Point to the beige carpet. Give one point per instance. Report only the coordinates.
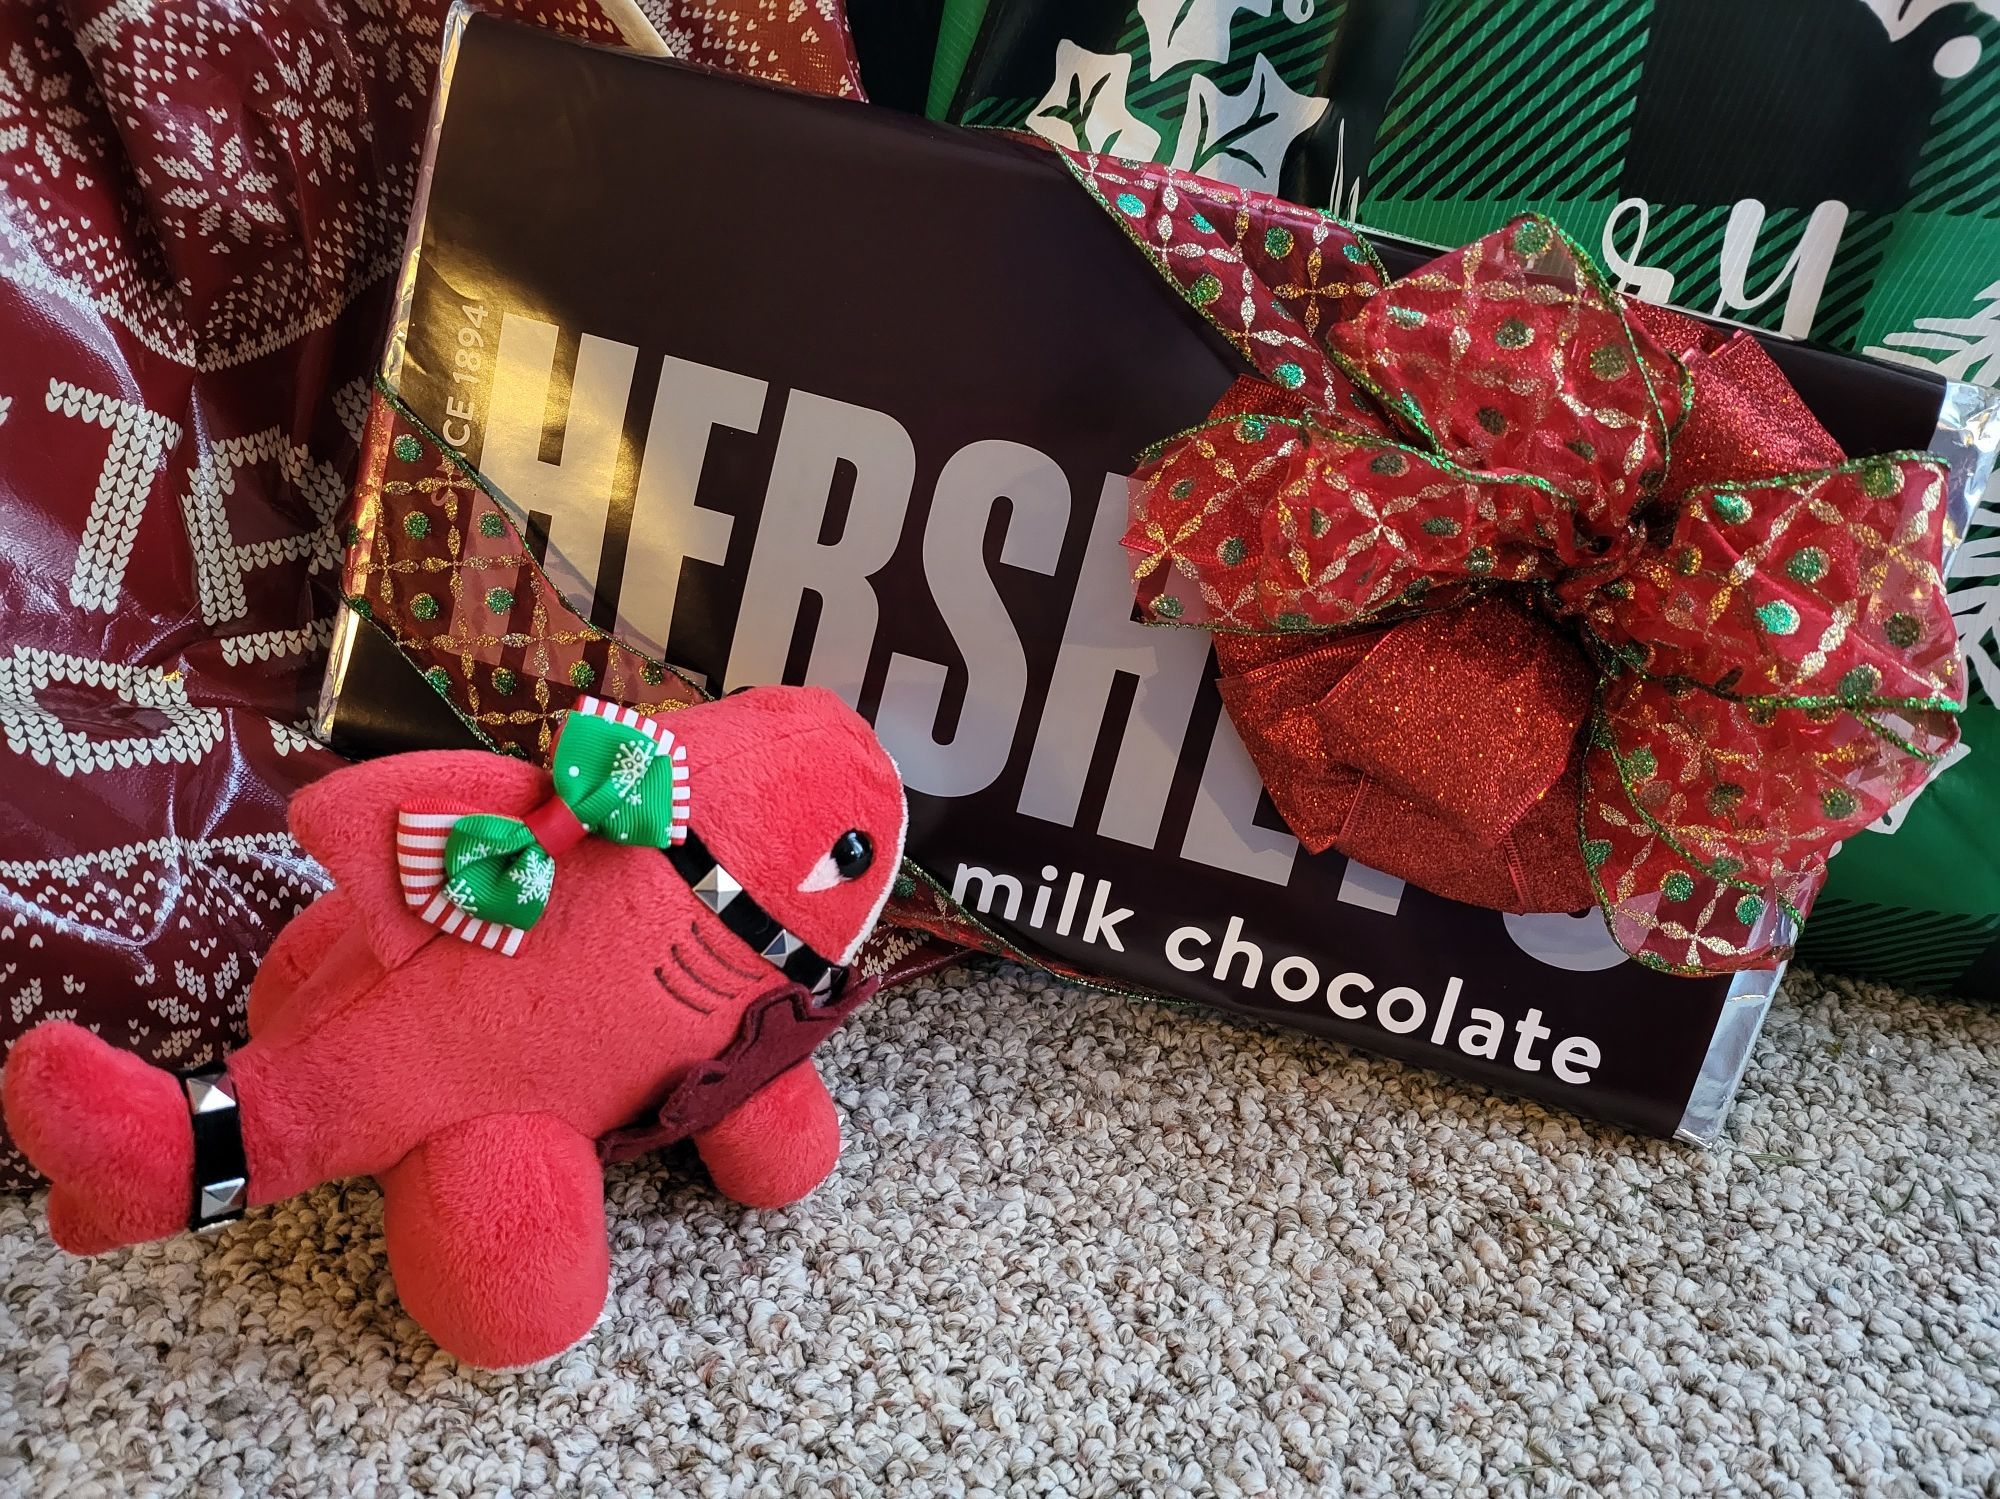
(1080, 1247)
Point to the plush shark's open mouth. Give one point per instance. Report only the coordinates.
(779, 1030)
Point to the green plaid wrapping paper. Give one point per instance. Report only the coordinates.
(1821, 167)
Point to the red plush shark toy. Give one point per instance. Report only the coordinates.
(505, 989)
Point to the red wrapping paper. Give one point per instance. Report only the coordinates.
(804, 43)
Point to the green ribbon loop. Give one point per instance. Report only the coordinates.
(495, 870)
(621, 783)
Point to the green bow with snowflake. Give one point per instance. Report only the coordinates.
(487, 877)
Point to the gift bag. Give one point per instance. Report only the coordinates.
(1819, 170)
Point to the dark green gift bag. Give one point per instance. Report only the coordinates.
(1820, 169)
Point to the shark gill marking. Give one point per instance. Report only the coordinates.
(721, 959)
(666, 982)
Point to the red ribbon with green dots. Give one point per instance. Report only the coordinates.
(1531, 596)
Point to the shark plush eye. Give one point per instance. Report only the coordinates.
(853, 851)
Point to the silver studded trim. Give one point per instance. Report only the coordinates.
(717, 889)
(221, 1185)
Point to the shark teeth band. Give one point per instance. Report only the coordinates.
(724, 894)
(221, 1172)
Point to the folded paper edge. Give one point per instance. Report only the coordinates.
(1967, 438)
(1737, 1026)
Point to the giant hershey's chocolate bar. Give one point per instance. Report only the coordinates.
(793, 389)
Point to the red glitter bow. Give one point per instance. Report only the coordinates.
(1530, 597)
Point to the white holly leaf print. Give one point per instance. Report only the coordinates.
(1977, 608)
(534, 875)
(1085, 108)
(1179, 31)
(1959, 348)
(628, 769)
(1901, 17)
(1242, 138)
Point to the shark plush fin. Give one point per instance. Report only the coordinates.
(348, 822)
